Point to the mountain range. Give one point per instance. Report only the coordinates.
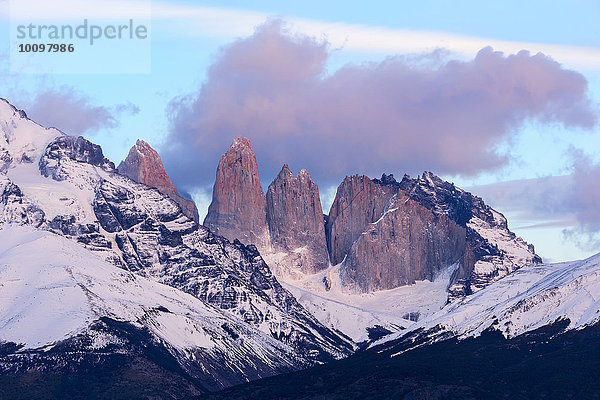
(110, 287)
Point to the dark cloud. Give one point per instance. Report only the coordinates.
(396, 115)
(73, 113)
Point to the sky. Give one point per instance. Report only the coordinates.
(502, 98)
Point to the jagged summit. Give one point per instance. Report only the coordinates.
(238, 207)
(241, 143)
(395, 233)
(305, 173)
(285, 172)
(285, 224)
(144, 165)
(295, 221)
(22, 141)
(442, 197)
(387, 180)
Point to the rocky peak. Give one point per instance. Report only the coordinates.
(241, 144)
(386, 238)
(73, 148)
(359, 201)
(144, 165)
(295, 220)
(139, 229)
(285, 174)
(303, 174)
(22, 141)
(387, 180)
(393, 234)
(440, 196)
(238, 207)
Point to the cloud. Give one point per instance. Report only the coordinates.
(583, 200)
(73, 113)
(569, 202)
(395, 115)
(185, 20)
(538, 201)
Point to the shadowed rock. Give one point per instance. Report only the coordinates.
(296, 226)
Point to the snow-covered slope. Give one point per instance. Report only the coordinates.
(51, 290)
(65, 185)
(527, 299)
(21, 140)
(364, 316)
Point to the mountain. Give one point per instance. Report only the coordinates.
(143, 165)
(109, 290)
(65, 185)
(239, 207)
(65, 314)
(532, 334)
(530, 298)
(286, 224)
(381, 239)
(406, 249)
(386, 233)
(386, 239)
(391, 233)
(492, 250)
(296, 227)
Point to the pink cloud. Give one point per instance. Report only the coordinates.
(396, 115)
(73, 112)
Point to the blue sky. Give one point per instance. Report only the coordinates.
(186, 38)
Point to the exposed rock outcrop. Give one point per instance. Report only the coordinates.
(386, 233)
(359, 202)
(296, 226)
(143, 165)
(492, 250)
(238, 209)
(286, 224)
(394, 233)
(407, 243)
(74, 148)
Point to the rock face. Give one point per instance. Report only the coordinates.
(296, 226)
(492, 250)
(143, 165)
(386, 239)
(286, 224)
(407, 243)
(238, 209)
(386, 233)
(359, 202)
(394, 233)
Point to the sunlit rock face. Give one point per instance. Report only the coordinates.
(238, 209)
(143, 165)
